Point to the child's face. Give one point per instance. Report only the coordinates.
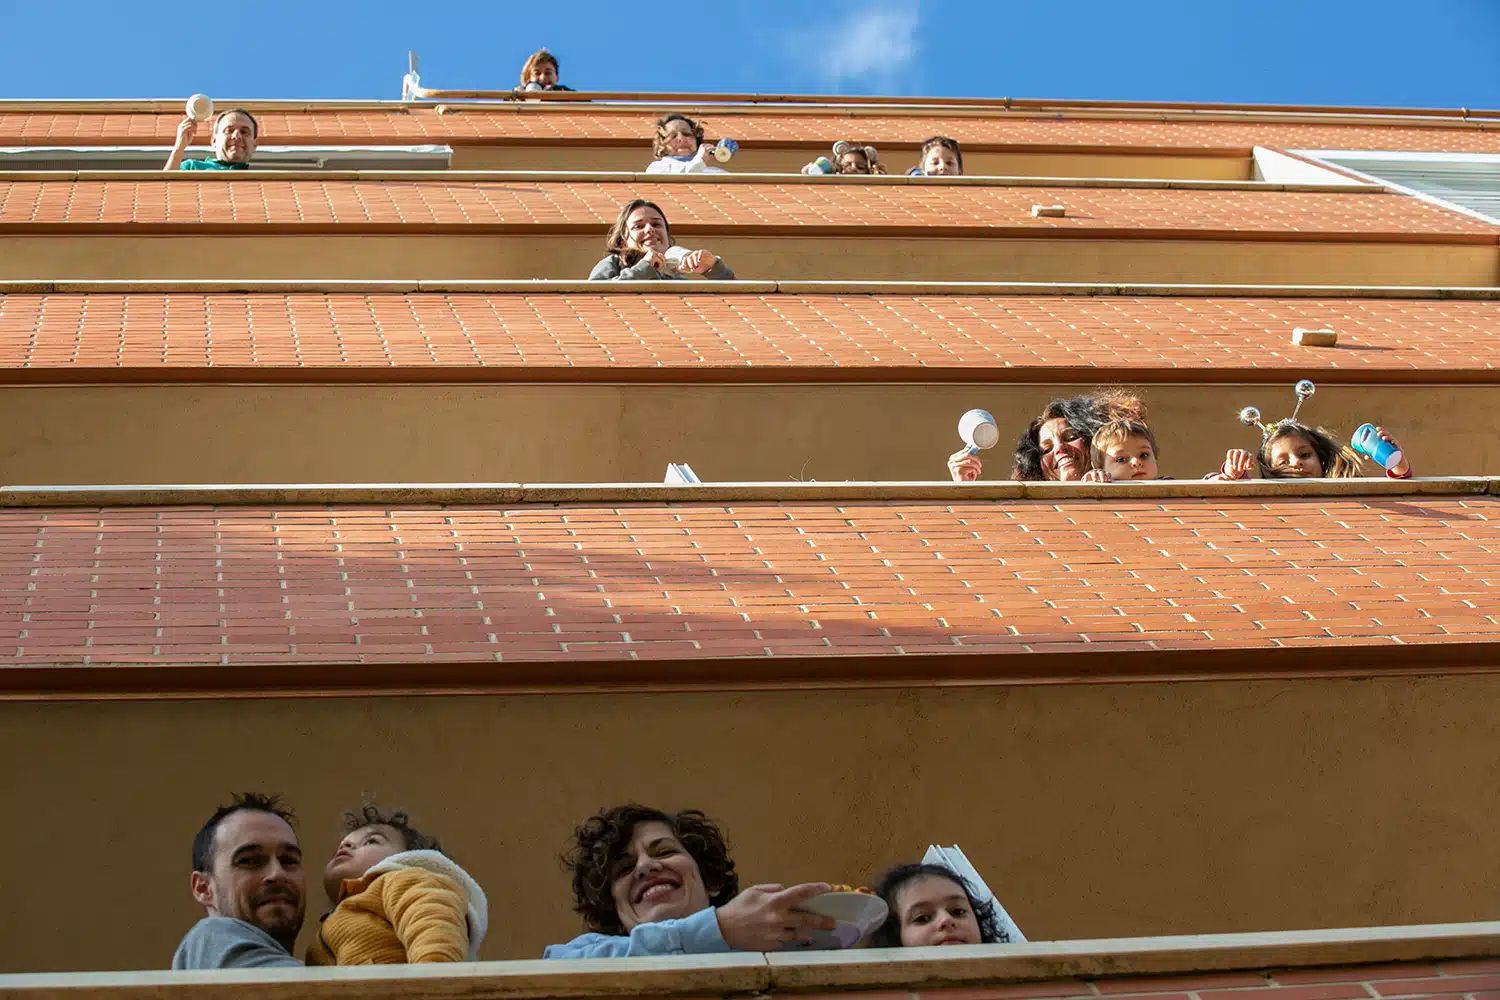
(1292, 455)
(679, 139)
(358, 852)
(933, 910)
(940, 161)
(854, 162)
(1133, 458)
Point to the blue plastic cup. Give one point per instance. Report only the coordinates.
(1372, 446)
(823, 164)
(724, 149)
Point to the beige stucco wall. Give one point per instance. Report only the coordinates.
(862, 258)
(787, 161)
(603, 433)
(1092, 810)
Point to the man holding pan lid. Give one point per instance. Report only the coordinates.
(235, 133)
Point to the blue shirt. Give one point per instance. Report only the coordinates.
(695, 935)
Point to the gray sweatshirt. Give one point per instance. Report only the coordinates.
(612, 269)
(226, 943)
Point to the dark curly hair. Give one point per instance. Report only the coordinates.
(203, 840)
(888, 935)
(371, 815)
(1085, 414)
(602, 840)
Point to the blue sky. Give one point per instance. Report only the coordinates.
(1302, 51)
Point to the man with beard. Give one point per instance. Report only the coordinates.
(235, 135)
(247, 873)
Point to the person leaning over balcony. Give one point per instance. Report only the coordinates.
(940, 157)
(541, 72)
(641, 249)
(247, 875)
(679, 148)
(933, 905)
(849, 159)
(653, 883)
(235, 135)
(1058, 444)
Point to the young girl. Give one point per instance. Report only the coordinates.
(933, 905)
(850, 159)
(940, 157)
(640, 248)
(1292, 450)
(679, 148)
(541, 72)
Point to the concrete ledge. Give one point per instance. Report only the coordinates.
(512, 494)
(641, 177)
(927, 967)
(719, 975)
(549, 286)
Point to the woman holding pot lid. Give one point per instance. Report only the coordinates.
(640, 248)
(648, 882)
(1057, 444)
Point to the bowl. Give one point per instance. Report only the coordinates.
(858, 915)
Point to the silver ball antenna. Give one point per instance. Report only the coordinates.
(1304, 388)
(1250, 416)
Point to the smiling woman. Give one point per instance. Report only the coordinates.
(653, 883)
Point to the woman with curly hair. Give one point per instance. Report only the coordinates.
(1058, 444)
(647, 882)
(933, 905)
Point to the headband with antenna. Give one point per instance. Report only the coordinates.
(1250, 416)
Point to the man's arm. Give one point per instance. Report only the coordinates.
(185, 130)
(224, 943)
(695, 935)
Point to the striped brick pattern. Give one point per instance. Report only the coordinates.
(1477, 979)
(423, 124)
(658, 581)
(314, 329)
(438, 201)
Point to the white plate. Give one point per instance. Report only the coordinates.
(858, 914)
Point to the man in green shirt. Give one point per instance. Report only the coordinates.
(235, 134)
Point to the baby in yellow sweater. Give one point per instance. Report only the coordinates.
(397, 898)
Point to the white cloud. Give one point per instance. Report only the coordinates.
(873, 44)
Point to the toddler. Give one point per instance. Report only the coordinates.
(933, 905)
(679, 148)
(397, 898)
(1123, 450)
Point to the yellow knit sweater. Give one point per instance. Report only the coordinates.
(390, 918)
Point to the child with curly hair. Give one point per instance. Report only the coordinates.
(397, 898)
(679, 148)
(934, 905)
